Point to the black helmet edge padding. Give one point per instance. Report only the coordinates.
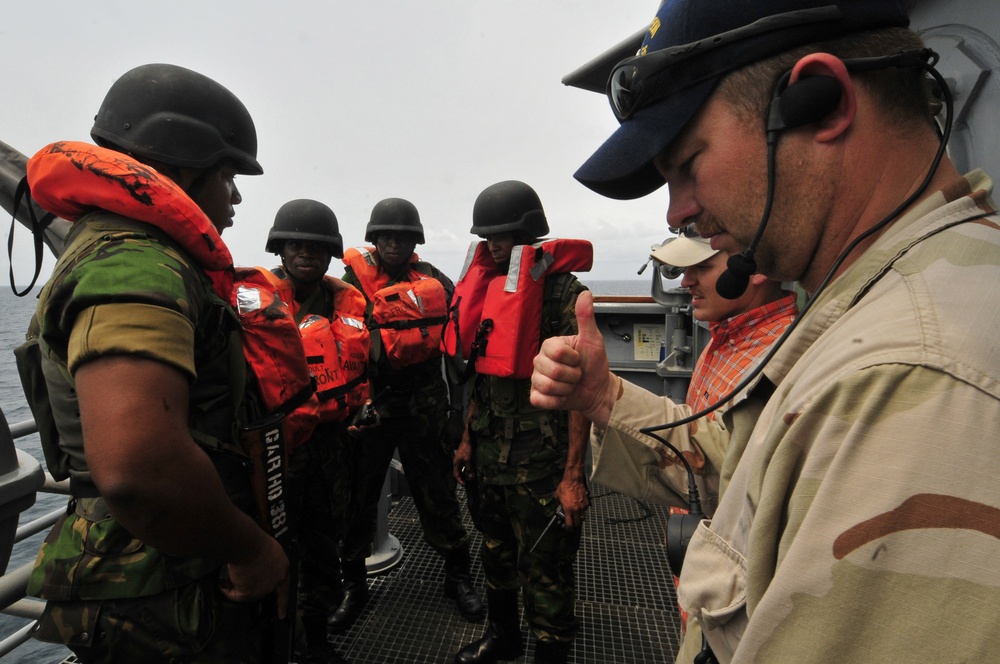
(179, 117)
(507, 207)
(394, 214)
(308, 220)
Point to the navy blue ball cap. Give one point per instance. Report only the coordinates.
(696, 43)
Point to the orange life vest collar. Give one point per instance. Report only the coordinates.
(496, 318)
(408, 315)
(370, 272)
(71, 178)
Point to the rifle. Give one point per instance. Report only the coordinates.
(472, 501)
(265, 443)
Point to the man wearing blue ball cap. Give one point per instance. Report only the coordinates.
(807, 140)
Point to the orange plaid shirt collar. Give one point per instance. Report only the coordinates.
(737, 343)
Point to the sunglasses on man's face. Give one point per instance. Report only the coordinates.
(686, 231)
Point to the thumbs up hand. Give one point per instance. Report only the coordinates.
(571, 373)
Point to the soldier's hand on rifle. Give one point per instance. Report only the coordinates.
(265, 570)
(462, 462)
(572, 495)
(366, 419)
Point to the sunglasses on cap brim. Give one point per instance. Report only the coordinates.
(638, 81)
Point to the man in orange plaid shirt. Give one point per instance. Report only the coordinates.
(742, 330)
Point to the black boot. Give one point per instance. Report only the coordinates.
(502, 640)
(318, 649)
(552, 652)
(355, 596)
(458, 585)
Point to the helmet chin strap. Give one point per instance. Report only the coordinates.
(197, 185)
(194, 188)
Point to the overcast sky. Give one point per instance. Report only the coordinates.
(358, 101)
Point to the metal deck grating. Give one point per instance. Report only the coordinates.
(625, 595)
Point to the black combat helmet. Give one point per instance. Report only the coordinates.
(179, 117)
(509, 207)
(394, 214)
(308, 220)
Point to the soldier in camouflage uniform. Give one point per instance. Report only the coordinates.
(156, 558)
(524, 463)
(860, 522)
(307, 237)
(417, 415)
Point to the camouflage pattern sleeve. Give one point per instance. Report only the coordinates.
(116, 262)
(154, 332)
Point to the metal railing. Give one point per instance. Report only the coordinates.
(14, 582)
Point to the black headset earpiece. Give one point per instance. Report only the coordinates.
(808, 100)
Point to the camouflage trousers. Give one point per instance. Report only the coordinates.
(320, 487)
(191, 624)
(513, 518)
(427, 466)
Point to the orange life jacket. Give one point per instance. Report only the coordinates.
(274, 350)
(409, 315)
(496, 317)
(72, 178)
(336, 348)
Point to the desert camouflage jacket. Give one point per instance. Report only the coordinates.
(863, 521)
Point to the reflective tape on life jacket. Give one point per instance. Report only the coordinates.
(273, 349)
(505, 310)
(409, 315)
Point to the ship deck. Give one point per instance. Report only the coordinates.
(625, 595)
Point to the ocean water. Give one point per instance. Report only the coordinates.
(637, 286)
(17, 314)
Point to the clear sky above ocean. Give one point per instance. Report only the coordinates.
(358, 101)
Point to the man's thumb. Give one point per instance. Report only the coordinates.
(586, 324)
